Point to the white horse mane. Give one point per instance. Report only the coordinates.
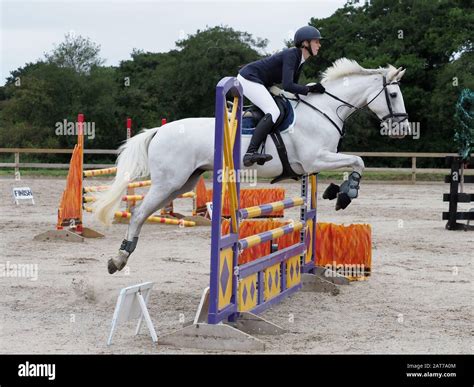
(343, 67)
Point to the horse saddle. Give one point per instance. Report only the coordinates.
(252, 115)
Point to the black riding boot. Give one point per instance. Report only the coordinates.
(261, 131)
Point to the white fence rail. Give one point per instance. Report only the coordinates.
(412, 155)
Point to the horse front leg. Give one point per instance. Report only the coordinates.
(349, 189)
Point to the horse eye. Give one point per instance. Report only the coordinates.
(393, 95)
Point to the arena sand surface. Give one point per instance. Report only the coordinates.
(419, 298)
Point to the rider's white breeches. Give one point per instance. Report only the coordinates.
(260, 96)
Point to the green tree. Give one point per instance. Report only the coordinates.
(432, 39)
(181, 83)
(76, 52)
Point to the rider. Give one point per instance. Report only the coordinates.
(283, 67)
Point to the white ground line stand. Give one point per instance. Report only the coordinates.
(132, 304)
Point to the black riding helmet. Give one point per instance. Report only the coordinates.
(306, 33)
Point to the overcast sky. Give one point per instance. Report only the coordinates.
(31, 28)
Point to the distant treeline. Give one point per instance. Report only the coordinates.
(432, 39)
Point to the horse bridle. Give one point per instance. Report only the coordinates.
(345, 103)
(389, 104)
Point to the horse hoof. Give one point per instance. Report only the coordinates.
(343, 200)
(111, 267)
(119, 262)
(331, 191)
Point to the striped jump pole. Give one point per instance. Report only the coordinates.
(134, 198)
(138, 184)
(266, 236)
(100, 172)
(129, 128)
(187, 195)
(264, 209)
(157, 219)
(125, 198)
(130, 190)
(97, 188)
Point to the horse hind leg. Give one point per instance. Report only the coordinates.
(155, 199)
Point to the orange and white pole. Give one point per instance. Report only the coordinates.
(130, 190)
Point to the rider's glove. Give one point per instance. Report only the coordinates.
(317, 88)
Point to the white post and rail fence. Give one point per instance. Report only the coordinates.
(414, 156)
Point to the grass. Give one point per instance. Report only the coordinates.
(10, 172)
(371, 176)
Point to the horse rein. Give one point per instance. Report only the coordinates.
(345, 103)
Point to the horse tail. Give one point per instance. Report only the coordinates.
(132, 163)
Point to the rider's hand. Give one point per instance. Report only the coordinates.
(317, 88)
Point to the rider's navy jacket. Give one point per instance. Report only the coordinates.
(283, 67)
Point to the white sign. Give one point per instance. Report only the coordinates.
(22, 193)
(131, 304)
(209, 209)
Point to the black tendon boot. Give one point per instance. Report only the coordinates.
(261, 131)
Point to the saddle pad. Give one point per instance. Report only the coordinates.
(248, 123)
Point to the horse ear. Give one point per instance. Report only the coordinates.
(401, 74)
(391, 74)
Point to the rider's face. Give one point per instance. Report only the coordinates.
(315, 45)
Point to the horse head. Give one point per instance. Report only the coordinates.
(387, 103)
